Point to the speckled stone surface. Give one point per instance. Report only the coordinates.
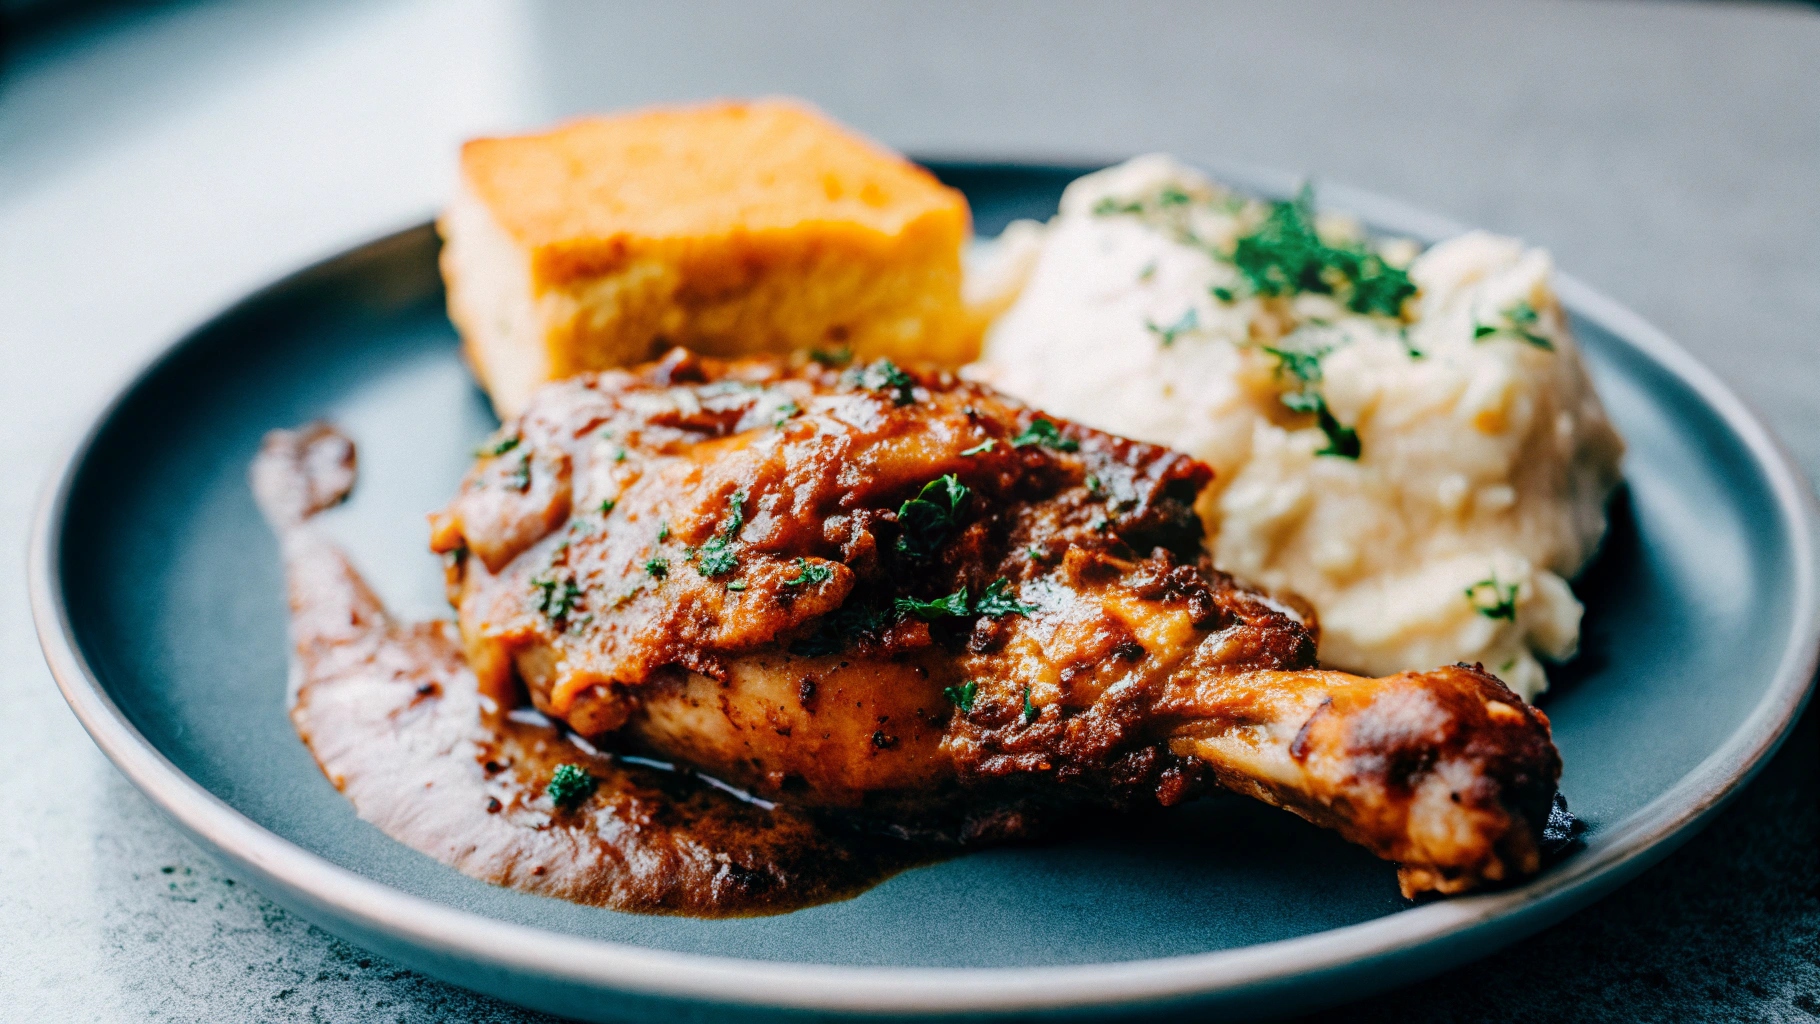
(157, 162)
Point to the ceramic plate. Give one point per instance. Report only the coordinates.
(160, 602)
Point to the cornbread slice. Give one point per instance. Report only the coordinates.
(732, 228)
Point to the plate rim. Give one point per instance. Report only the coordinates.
(1614, 855)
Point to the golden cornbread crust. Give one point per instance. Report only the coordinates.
(732, 228)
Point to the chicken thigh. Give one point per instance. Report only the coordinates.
(910, 597)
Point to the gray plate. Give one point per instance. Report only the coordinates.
(159, 601)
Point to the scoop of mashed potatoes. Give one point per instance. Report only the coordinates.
(1407, 440)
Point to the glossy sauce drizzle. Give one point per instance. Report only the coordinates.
(393, 716)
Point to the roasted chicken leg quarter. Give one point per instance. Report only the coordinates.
(912, 597)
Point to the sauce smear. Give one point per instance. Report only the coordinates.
(395, 719)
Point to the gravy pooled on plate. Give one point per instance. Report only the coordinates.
(391, 712)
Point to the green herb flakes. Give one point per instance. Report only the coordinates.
(885, 375)
(520, 477)
(1493, 599)
(1030, 711)
(657, 567)
(997, 603)
(953, 606)
(925, 520)
(1109, 207)
(1190, 320)
(810, 574)
(555, 598)
(494, 449)
(1284, 255)
(1304, 365)
(737, 585)
(962, 696)
(606, 506)
(1520, 322)
(1342, 440)
(832, 357)
(569, 786)
(1044, 432)
(982, 448)
(716, 557)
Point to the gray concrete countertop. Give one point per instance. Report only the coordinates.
(157, 162)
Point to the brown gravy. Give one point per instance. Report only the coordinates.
(393, 716)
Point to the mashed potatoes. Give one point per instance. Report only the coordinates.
(1409, 442)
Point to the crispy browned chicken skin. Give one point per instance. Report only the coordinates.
(911, 596)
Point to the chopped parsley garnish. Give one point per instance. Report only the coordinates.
(996, 603)
(606, 506)
(1030, 710)
(885, 375)
(1520, 322)
(1226, 295)
(1172, 196)
(657, 567)
(1285, 255)
(1190, 320)
(737, 585)
(1342, 440)
(663, 531)
(832, 357)
(497, 448)
(784, 412)
(520, 477)
(1493, 599)
(1305, 366)
(810, 574)
(926, 519)
(620, 455)
(1302, 364)
(1035, 554)
(1043, 432)
(569, 785)
(716, 558)
(736, 514)
(982, 448)
(954, 605)
(1093, 484)
(1108, 207)
(555, 599)
(962, 696)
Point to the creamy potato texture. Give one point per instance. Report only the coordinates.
(1408, 440)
